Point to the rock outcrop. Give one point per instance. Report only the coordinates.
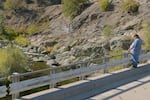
(81, 38)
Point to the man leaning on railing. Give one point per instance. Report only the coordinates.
(135, 49)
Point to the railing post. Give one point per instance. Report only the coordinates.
(125, 55)
(82, 77)
(52, 85)
(106, 59)
(15, 78)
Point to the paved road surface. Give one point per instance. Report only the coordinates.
(136, 90)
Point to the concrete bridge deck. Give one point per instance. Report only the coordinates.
(137, 90)
(128, 84)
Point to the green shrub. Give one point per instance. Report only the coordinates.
(72, 8)
(146, 32)
(12, 59)
(13, 4)
(116, 52)
(131, 6)
(146, 37)
(2, 37)
(145, 24)
(10, 34)
(107, 30)
(19, 37)
(22, 40)
(104, 5)
(32, 29)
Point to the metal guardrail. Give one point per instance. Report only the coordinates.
(17, 87)
(82, 69)
(80, 64)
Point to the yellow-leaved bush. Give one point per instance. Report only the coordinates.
(12, 59)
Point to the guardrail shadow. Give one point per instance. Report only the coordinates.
(116, 86)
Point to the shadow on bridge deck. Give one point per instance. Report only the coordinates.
(135, 88)
(115, 83)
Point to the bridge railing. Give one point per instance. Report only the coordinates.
(77, 65)
(81, 72)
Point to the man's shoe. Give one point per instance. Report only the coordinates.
(134, 66)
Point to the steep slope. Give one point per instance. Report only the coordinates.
(81, 38)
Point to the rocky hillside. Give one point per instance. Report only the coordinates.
(82, 38)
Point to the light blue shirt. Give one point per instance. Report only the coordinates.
(136, 46)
